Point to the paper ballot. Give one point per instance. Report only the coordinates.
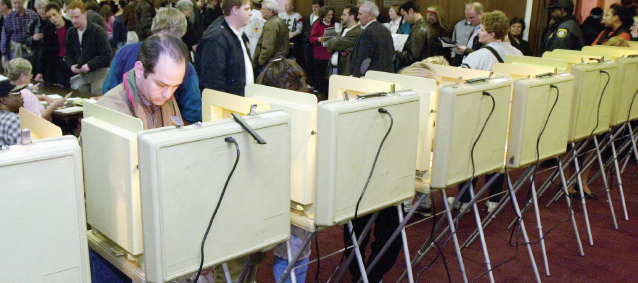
(399, 41)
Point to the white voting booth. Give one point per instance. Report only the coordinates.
(39, 127)
(335, 143)
(173, 191)
(42, 215)
(462, 110)
(426, 88)
(182, 173)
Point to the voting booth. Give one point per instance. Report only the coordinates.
(154, 180)
(334, 144)
(39, 127)
(426, 89)
(539, 100)
(42, 215)
(527, 61)
(182, 174)
(462, 111)
(217, 105)
(355, 86)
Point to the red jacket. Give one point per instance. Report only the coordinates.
(321, 53)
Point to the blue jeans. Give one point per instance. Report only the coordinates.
(280, 264)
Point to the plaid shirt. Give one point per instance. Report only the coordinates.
(152, 111)
(15, 29)
(9, 128)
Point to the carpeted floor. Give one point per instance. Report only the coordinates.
(612, 258)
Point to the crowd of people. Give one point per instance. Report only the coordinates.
(152, 61)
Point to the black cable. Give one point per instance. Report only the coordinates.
(221, 197)
(470, 182)
(630, 106)
(318, 255)
(356, 211)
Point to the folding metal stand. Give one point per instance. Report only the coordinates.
(427, 246)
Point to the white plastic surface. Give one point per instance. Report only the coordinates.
(40, 128)
(302, 108)
(42, 213)
(217, 105)
(355, 86)
(626, 89)
(589, 84)
(532, 101)
(349, 135)
(426, 88)
(109, 145)
(183, 172)
(461, 113)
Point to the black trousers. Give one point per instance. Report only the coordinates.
(493, 190)
(385, 224)
(321, 82)
(58, 73)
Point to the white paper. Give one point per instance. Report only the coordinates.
(399, 41)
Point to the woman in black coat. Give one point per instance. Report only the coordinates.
(517, 27)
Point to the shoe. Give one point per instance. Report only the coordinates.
(575, 195)
(591, 196)
(459, 206)
(424, 211)
(491, 206)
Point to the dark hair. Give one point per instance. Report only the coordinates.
(624, 15)
(106, 12)
(122, 3)
(597, 11)
(91, 5)
(227, 5)
(283, 73)
(323, 12)
(164, 3)
(317, 2)
(410, 5)
(518, 20)
(353, 11)
(8, 3)
(52, 6)
(156, 45)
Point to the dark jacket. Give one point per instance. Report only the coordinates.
(94, 17)
(374, 50)
(591, 28)
(219, 60)
(273, 40)
(128, 16)
(38, 25)
(438, 49)
(521, 45)
(210, 15)
(144, 14)
(95, 50)
(50, 45)
(563, 34)
(419, 45)
(191, 37)
(344, 44)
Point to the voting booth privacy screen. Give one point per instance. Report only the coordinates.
(461, 113)
(183, 172)
(589, 84)
(349, 135)
(302, 108)
(426, 89)
(626, 87)
(42, 213)
(532, 101)
(112, 182)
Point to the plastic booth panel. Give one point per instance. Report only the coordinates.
(355, 86)
(349, 136)
(302, 108)
(532, 102)
(461, 113)
(426, 88)
(40, 128)
(183, 172)
(112, 182)
(217, 105)
(42, 217)
(517, 71)
(626, 89)
(559, 64)
(590, 93)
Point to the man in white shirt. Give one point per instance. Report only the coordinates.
(255, 26)
(494, 27)
(294, 21)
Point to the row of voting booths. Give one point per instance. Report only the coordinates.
(162, 202)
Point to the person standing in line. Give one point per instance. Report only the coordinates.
(274, 38)
(517, 27)
(294, 21)
(617, 23)
(308, 49)
(374, 49)
(592, 26)
(342, 45)
(322, 56)
(14, 31)
(465, 32)
(422, 38)
(564, 32)
(255, 26)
